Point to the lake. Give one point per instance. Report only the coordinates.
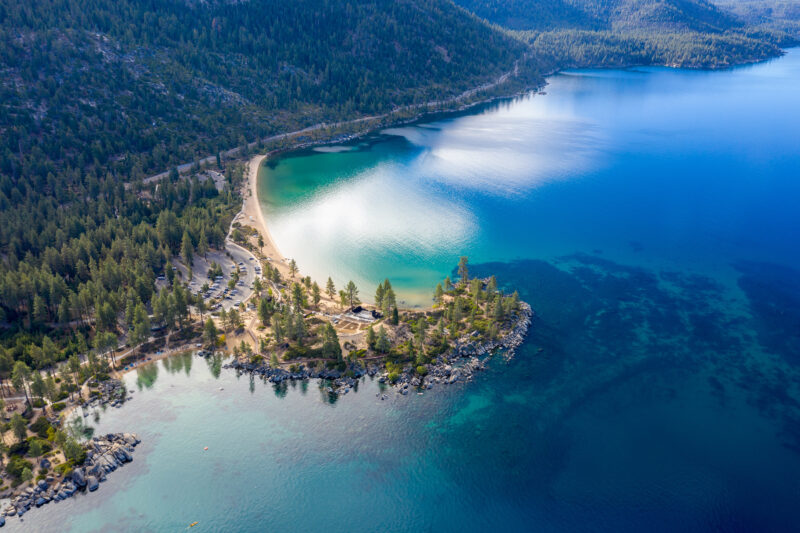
(650, 216)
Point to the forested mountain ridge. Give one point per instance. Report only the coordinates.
(156, 83)
(604, 15)
(591, 33)
(96, 94)
(775, 15)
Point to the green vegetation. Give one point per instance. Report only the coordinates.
(140, 86)
(686, 33)
(471, 310)
(776, 17)
(22, 459)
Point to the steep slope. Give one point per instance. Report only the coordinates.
(590, 33)
(154, 83)
(774, 15)
(533, 14)
(659, 15)
(617, 15)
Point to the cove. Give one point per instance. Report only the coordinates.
(648, 215)
(653, 166)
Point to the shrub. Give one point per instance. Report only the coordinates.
(38, 402)
(74, 451)
(16, 465)
(19, 448)
(41, 426)
(422, 370)
(393, 376)
(64, 469)
(59, 406)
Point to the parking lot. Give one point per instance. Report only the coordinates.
(239, 259)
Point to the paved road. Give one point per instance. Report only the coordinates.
(234, 152)
(246, 262)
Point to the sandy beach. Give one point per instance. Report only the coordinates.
(253, 215)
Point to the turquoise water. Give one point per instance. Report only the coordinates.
(649, 215)
(656, 167)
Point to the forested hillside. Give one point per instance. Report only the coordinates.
(533, 14)
(140, 85)
(609, 15)
(776, 15)
(96, 94)
(583, 33)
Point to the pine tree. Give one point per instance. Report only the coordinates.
(352, 293)
(382, 344)
(379, 292)
(277, 328)
(439, 294)
(498, 312)
(331, 349)
(297, 295)
(315, 294)
(422, 325)
(263, 311)
(202, 244)
(330, 289)
(492, 288)
(463, 270)
(187, 249)
(389, 301)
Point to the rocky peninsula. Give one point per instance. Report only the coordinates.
(471, 319)
(103, 455)
(466, 357)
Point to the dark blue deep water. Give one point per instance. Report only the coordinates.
(652, 219)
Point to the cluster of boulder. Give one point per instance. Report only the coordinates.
(111, 392)
(104, 454)
(466, 357)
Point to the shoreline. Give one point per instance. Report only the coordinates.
(457, 365)
(253, 215)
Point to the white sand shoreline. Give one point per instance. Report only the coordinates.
(253, 215)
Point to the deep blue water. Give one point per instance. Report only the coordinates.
(650, 217)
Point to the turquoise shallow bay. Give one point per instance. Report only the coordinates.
(649, 216)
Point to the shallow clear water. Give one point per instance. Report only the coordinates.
(659, 167)
(648, 215)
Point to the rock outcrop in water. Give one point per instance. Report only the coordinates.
(466, 357)
(104, 454)
(458, 364)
